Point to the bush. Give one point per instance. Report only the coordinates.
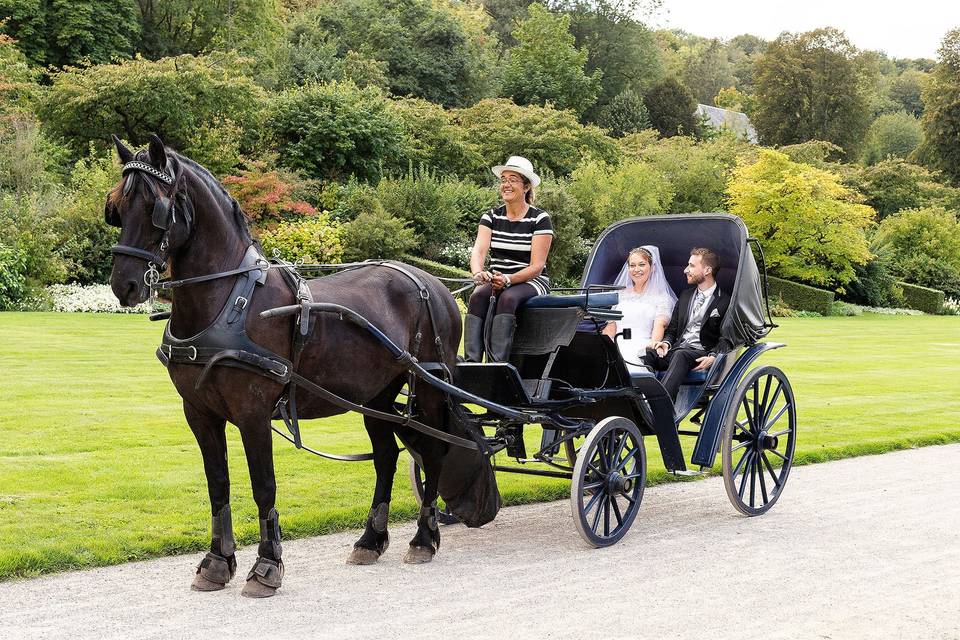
(610, 193)
(799, 296)
(216, 145)
(894, 184)
(435, 268)
(922, 298)
(432, 141)
(924, 247)
(334, 131)
(951, 307)
(554, 141)
(29, 225)
(672, 109)
(13, 277)
(846, 309)
(269, 196)
(625, 114)
(874, 284)
(567, 218)
(94, 298)
(893, 135)
(316, 240)
(374, 233)
(172, 97)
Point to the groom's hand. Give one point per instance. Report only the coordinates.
(704, 363)
(661, 348)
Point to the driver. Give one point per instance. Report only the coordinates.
(692, 340)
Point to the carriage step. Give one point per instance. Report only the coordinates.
(690, 473)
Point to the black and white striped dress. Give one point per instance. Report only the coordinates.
(510, 246)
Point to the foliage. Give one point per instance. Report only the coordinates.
(546, 67)
(951, 307)
(431, 139)
(92, 298)
(314, 240)
(567, 218)
(705, 69)
(924, 246)
(18, 80)
(172, 97)
(907, 90)
(610, 193)
(811, 226)
(29, 161)
(78, 31)
(671, 107)
(816, 153)
(374, 233)
(892, 135)
(552, 140)
(941, 116)
(811, 86)
(617, 45)
(436, 268)
(698, 172)
(922, 298)
(845, 309)
(13, 277)
(625, 114)
(433, 50)
(29, 227)
(269, 195)
(335, 130)
(84, 237)
(895, 184)
(177, 27)
(734, 100)
(216, 145)
(799, 296)
(874, 283)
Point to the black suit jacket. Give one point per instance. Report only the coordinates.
(710, 336)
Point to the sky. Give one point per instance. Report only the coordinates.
(910, 29)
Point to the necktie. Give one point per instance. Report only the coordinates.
(698, 302)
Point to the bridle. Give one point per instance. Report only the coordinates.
(164, 216)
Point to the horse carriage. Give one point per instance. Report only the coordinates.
(257, 342)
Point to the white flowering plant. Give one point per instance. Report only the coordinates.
(94, 298)
(951, 307)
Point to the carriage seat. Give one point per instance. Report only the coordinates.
(605, 299)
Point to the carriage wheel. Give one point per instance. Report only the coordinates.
(444, 516)
(608, 481)
(759, 437)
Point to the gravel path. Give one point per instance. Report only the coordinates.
(861, 548)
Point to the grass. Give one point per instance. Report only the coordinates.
(97, 465)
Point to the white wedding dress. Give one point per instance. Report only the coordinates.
(640, 311)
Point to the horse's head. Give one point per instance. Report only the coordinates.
(154, 217)
(468, 485)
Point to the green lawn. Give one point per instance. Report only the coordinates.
(97, 465)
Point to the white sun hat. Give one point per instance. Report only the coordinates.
(518, 164)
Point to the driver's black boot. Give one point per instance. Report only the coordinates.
(501, 337)
(473, 338)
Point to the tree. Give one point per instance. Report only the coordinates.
(924, 246)
(811, 86)
(609, 193)
(546, 67)
(672, 109)
(892, 135)
(941, 116)
(334, 131)
(18, 79)
(706, 69)
(505, 14)
(625, 114)
(431, 139)
(895, 184)
(65, 33)
(172, 98)
(811, 227)
(743, 51)
(433, 50)
(907, 91)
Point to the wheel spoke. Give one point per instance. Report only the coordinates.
(616, 456)
(779, 455)
(763, 484)
(599, 474)
(773, 474)
(782, 431)
(632, 476)
(773, 420)
(593, 501)
(743, 481)
(616, 511)
(590, 486)
(764, 407)
(626, 459)
(746, 407)
(606, 516)
(743, 459)
(630, 499)
(753, 479)
(741, 446)
(773, 403)
(596, 517)
(741, 426)
(756, 398)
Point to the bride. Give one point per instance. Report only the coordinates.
(646, 304)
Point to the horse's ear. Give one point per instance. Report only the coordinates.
(158, 154)
(125, 154)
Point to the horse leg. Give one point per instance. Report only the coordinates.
(375, 539)
(220, 564)
(426, 542)
(267, 573)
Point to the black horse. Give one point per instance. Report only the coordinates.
(202, 231)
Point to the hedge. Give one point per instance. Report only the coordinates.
(922, 298)
(436, 268)
(800, 296)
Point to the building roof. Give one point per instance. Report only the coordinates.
(735, 121)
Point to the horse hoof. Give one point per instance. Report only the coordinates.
(202, 584)
(418, 555)
(359, 555)
(255, 589)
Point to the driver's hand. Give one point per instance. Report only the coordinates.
(704, 363)
(499, 282)
(661, 348)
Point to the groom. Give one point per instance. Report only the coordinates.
(692, 339)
